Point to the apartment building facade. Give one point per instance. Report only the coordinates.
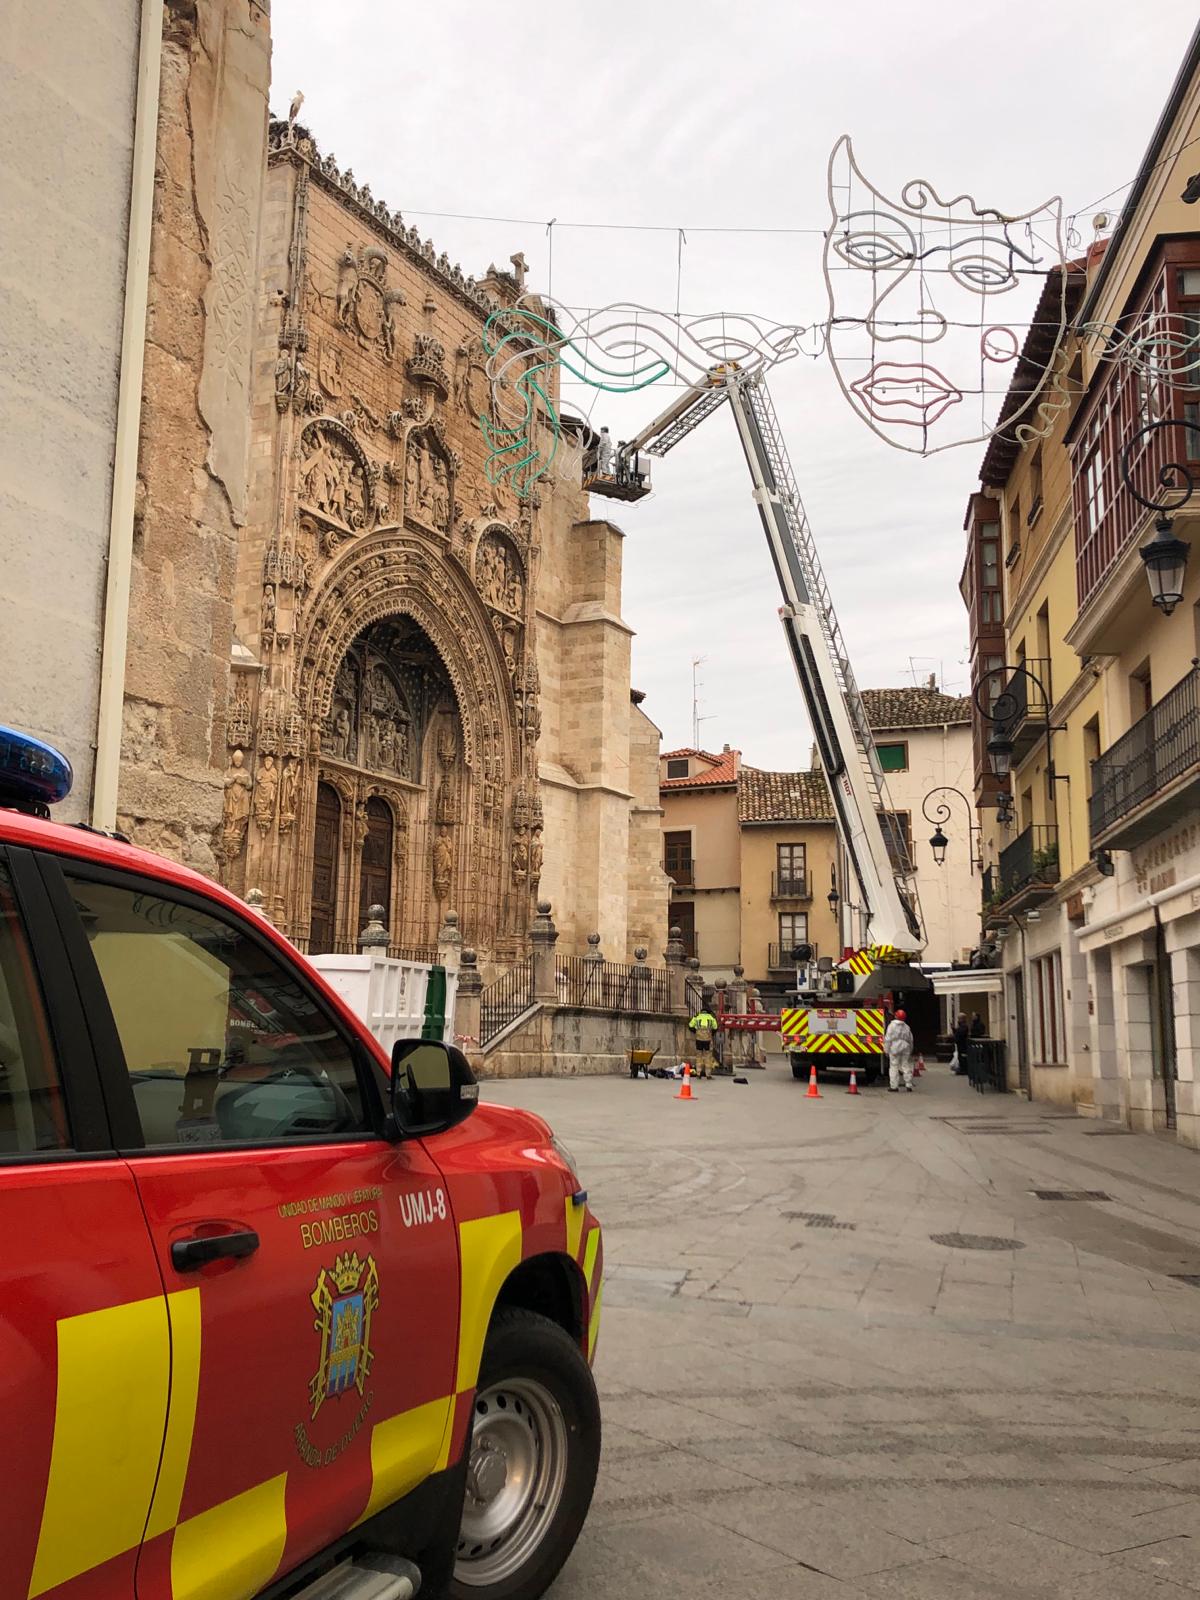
(1092, 887)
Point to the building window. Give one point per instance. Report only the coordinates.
(793, 930)
(677, 856)
(1035, 486)
(1191, 416)
(897, 831)
(893, 757)
(1095, 500)
(1049, 1045)
(790, 863)
(677, 767)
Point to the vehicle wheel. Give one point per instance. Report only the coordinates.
(798, 1071)
(534, 1451)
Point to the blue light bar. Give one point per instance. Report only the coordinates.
(33, 775)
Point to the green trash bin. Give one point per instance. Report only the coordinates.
(434, 1025)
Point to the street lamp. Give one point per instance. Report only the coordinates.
(1165, 556)
(1166, 560)
(1003, 714)
(939, 843)
(1000, 753)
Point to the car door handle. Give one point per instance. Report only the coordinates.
(188, 1255)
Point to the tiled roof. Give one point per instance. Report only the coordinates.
(722, 769)
(914, 708)
(783, 796)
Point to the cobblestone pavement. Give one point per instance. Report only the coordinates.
(848, 1352)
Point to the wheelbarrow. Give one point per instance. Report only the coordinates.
(639, 1062)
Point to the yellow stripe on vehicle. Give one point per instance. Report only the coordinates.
(589, 1255)
(109, 1418)
(594, 1323)
(405, 1449)
(183, 1313)
(489, 1249)
(575, 1215)
(232, 1550)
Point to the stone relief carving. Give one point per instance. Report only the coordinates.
(236, 812)
(472, 387)
(237, 724)
(334, 475)
(499, 574)
(265, 792)
(427, 364)
(366, 306)
(428, 484)
(329, 368)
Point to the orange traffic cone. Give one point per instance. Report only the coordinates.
(853, 1089)
(813, 1092)
(685, 1088)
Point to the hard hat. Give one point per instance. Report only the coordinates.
(900, 1016)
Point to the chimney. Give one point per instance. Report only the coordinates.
(933, 680)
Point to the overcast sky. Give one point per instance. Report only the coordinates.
(688, 113)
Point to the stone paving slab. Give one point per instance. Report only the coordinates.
(815, 1413)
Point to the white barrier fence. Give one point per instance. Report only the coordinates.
(388, 995)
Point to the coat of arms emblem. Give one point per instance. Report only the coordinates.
(345, 1299)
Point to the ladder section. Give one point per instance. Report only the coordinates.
(704, 405)
(758, 400)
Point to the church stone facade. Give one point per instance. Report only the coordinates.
(428, 703)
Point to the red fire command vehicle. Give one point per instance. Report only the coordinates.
(281, 1317)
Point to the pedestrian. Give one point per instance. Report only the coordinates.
(604, 454)
(898, 1042)
(702, 1027)
(962, 1037)
(978, 1028)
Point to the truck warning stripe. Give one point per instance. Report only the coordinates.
(114, 1369)
(250, 1531)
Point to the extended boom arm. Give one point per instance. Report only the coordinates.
(867, 825)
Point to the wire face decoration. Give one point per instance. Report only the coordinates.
(918, 331)
(929, 301)
(618, 349)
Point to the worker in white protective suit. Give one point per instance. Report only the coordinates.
(898, 1042)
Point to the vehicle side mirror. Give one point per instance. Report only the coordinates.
(432, 1087)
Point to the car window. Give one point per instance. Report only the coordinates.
(221, 1043)
(32, 1110)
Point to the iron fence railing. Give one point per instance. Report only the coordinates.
(779, 957)
(505, 999)
(610, 985)
(986, 1065)
(1160, 747)
(693, 994)
(1032, 857)
(790, 886)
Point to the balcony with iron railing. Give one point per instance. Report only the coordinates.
(790, 886)
(1151, 775)
(779, 957)
(1028, 869)
(681, 873)
(1024, 705)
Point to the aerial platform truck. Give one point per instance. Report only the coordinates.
(839, 1017)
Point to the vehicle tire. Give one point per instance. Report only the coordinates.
(533, 1456)
(799, 1071)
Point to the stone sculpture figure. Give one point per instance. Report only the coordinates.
(288, 785)
(443, 866)
(265, 791)
(236, 814)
